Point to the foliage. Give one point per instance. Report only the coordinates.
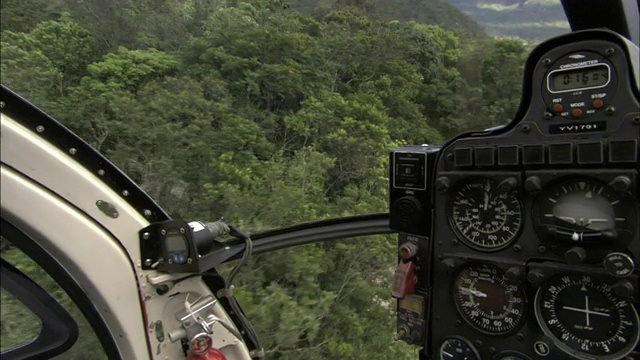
(253, 111)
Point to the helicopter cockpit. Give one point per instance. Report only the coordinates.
(533, 247)
(518, 242)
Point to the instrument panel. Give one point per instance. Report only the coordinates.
(534, 245)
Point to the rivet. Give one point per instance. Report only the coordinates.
(40, 128)
(125, 193)
(146, 212)
(72, 151)
(101, 172)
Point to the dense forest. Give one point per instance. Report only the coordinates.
(267, 116)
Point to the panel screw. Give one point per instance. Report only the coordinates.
(517, 248)
(99, 202)
(125, 193)
(1, 104)
(546, 61)
(72, 151)
(182, 231)
(101, 172)
(526, 128)
(548, 115)
(454, 242)
(163, 232)
(40, 128)
(450, 156)
(542, 249)
(610, 110)
(636, 120)
(146, 212)
(148, 262)
(115, 215)
(610, 51)
(146, 236)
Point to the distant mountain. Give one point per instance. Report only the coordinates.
(533, 20)
(437, 12)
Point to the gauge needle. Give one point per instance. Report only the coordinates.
(586, 310)
(567, 219)
(486, 200)
(474, 292)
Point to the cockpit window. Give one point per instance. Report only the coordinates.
(270, 113)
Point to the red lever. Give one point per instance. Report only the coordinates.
(212, 354)
(404, 279)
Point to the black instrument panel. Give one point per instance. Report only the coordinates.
(535, 254)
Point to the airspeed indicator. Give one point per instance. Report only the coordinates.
(485, 215)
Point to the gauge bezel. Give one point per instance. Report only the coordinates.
(466, 342)
(560, 343)
(497, 272)
(596, 251)
(473, 244)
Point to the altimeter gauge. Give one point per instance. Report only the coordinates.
(487, 301)
(485, 215)
(585, 318)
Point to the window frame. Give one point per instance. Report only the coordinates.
(28, 246)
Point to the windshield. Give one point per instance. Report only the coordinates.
(270, 113)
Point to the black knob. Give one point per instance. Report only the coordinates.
(620, 183)
(508, 184)
(447, 264)
(624, 289)
(575, 255)
(535, 277)
(513, 274)
(162, 289)
(533, 184)
(442, 183)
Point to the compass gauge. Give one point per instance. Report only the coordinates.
(585, 318)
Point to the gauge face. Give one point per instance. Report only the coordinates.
(454, 348)
(511, 355)
(584, 317)
(483, 216)
(487, 301)
(585, 212)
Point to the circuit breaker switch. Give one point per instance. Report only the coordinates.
(404, 279)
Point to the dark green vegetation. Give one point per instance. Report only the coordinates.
(268, 117)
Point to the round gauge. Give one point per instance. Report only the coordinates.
(585, 212)
(455, 348)
(485, 216)
(487, 301)
(511, 355)
(585, 318)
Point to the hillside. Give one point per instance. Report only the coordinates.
(533, 20)
(437, 12)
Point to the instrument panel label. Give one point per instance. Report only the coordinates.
(572, 128)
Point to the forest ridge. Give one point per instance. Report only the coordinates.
(269, 117)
